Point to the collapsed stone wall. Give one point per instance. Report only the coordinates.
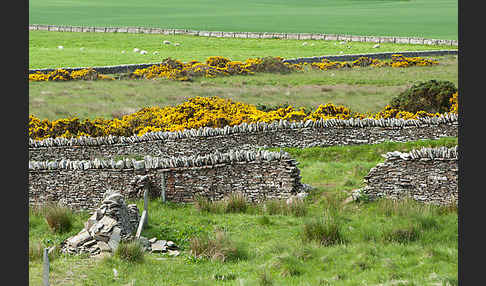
(259, 175)
(427, 175)
(245, 136)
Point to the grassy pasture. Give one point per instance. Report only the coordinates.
(274, 245)
(418, 18)
(104, 49)
(361, 89)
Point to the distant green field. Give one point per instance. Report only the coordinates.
(100, 49)
(418, 18)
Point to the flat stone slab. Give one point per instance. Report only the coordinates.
(159, 246)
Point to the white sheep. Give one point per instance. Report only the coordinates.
(376, 46)
(166, 42)
(155, 53)
(177, 44)
(304, 44)
(136, 50)
(143, 52)
(60, 47)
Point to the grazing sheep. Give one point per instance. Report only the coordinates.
(143, 52)
(166, 42)
(136, 50)
(304, 44)
(177, 44)
(376, 46)
(60, 47)
(123, 52)
(155, 53)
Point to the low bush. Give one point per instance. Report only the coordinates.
(431, 96)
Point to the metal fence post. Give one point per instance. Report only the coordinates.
(46, 267)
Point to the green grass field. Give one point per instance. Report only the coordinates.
(274, 245)
(104, 49)
(418, 18)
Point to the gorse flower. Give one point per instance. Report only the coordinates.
(61, 74)
(220, 66)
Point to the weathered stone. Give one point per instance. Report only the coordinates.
(159, 246)
(114, 238)
(103, 246)
(78, 239)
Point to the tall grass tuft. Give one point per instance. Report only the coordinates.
(402, 235)
(296, 207)
(235, 203)
(59, 218)
(288, 265)
(36, 250)
(326, 230)
(131, 251)
(265, 279)
(202, 203)
(219, 247)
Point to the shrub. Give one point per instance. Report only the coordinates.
(430, 96)
(131, 251)
(326, 231)
(219, 247)
(57, 217)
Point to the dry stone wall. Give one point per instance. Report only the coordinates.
(259, 175)
(253, 35)
(281, 133)
(351, 57)
(427, 175)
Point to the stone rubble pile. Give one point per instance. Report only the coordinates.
(111, 223)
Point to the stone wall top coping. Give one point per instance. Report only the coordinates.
(424, 153)
(149, 162)
(446, 118)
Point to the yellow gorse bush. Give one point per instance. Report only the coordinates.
(200, 112)
(221, 66)
(63, 75)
